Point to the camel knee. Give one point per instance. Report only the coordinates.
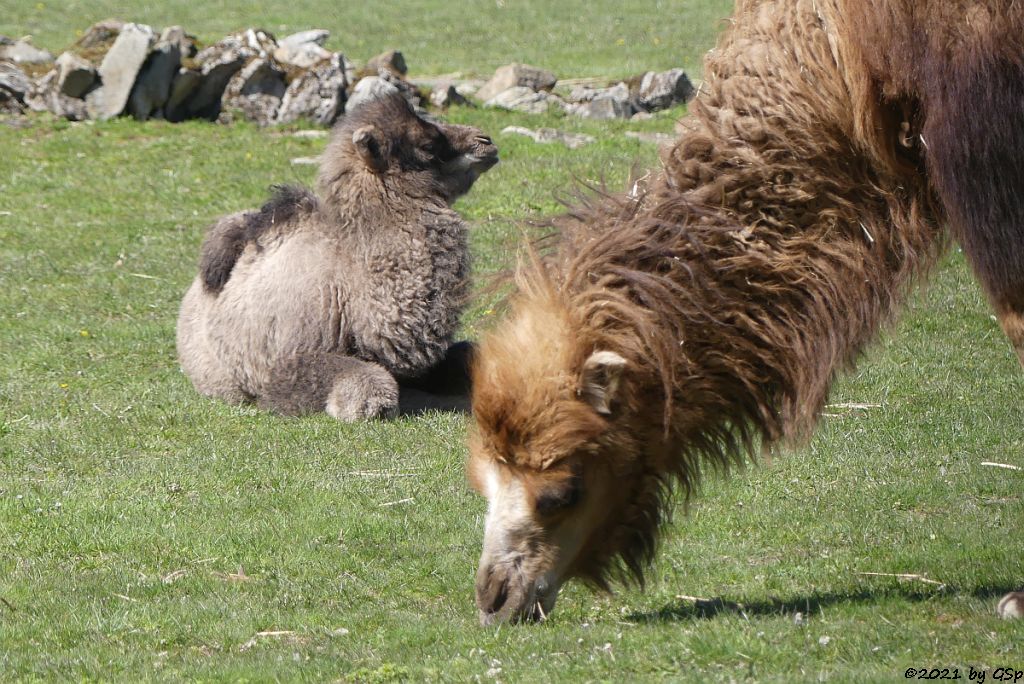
(368, 391)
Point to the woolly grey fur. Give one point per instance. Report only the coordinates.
(327, 301)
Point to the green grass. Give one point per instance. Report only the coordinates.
(147, 533)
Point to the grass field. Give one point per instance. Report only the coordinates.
(150, 534)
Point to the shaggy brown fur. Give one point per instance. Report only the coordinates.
(328, 301)
(704, 317)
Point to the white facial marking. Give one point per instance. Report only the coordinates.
(507, 510)
(491, 481)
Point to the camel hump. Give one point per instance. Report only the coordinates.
(228, 237)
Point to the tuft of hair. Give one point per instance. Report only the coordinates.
(225, 244)
(386, 107)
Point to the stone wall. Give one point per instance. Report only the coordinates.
(130, 69)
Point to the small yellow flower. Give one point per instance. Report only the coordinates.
(657, 40)
(620, 41)
(40, 6)
(63, 385)
(248, 155)
(83, 333)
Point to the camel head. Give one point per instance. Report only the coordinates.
(387, 139)
(557, 453)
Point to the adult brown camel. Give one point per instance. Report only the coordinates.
(833, 150)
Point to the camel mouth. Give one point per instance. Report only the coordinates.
(481, 160)
(516, 601)
(485, 161)
(474, 163)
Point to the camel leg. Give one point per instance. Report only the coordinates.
(1012, 323)
(347, 388)
(975, 154)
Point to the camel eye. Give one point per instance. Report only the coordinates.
(433, 145)
(561, 498)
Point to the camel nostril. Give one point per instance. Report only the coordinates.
(492, 593)
(500, 597)
(484, 140)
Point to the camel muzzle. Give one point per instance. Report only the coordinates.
(503, 594)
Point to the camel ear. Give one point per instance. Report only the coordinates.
(599, 384)
(370, 147)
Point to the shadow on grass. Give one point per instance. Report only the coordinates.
(683, 610)
(413, 402)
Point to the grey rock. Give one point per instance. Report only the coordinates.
(392, 61)
(10, 103)
(218, 65)
(21, 52)
(445, 95)
(318, 94)
(153, 86)
(610, 103)
(303, 56)
(178, 37)
(584, 93)
(184, 84)
(315, 36)
(258, 77)
(468, 88)
(100, 33)
(463, 86)
(118, 70)
(250, 43)
(660, 90)
(411, 93)
(524, 99)
(517, 75)
(45, 96)
(260, 40)
(256, 90)
(75, 76)
(654, 138)
(367, 89)
(205, 101)
(310, 134)
(551, 135)
(14, 80)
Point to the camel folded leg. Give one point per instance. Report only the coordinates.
(347, 388)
